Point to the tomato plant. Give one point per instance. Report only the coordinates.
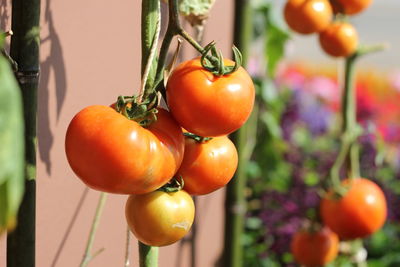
(350, 7)
(160, 218)
(359, 213)
(111, 153)
(308, 16)
(206, 104)
(314, 248)
(208, 166)
(340, 39)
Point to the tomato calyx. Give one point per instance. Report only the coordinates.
(143, 112)
(174, 185)
(197, 138)
(217, 67)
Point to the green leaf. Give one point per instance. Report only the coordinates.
(276, 38)
(195, 7)
(12, 146)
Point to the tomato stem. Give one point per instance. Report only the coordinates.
(349, 149)
(128, 247)
(87, 257)
(148, 255)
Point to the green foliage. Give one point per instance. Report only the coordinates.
(12, 147)
(195, 7)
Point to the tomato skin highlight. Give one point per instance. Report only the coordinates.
(209, 165)
(361, 212)
(340, 39)
(209, 105)
(308, 16)
(159, 218)
(314, 249)
(111, 153)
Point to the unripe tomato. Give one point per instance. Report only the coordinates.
(361, 212)
(314, 249)
(350, 7)
(308, 16)
(111, 153)
(208, 166)
(159, 218)
(209, 105)
(340, 39)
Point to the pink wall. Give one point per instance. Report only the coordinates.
(90, 54)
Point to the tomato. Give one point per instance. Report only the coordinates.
(159, 218)
(340, 39)
(350, 7)
(308, 16)
(315, 248)
(209, 165)
(209, 105)
(111, 153)
(361, 212)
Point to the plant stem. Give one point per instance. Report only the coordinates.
(24, 49)
(128, 247)
(349, 149)
(235, 202)
(87, 257)
(148, 255)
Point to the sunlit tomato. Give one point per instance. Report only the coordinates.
(361, 212)
(340, 39)
(159, 218)
(111, 153)
(350, 7)
(315, 249)
(308, 16)
(209, 165)
(208, 105)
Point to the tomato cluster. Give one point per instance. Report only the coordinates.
(129, 148)
(337, 38)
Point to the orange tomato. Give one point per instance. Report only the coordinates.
(359, 213)
(308, 16)
(209, 105)
(159, 218)
(111, 153)
(314, 249)
(340, 39)
(350, 7)
(208, 166)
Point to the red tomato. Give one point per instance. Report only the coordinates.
(350, 7)
(314, 249)
(361, 212)
(308, 16)
(209, 165)
(159, 218)
(208, 105)
(340, 39)
(111, 153)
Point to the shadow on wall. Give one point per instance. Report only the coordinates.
(55, 64)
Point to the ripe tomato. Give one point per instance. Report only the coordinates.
(209, 165)
(308, 16)
(361, 212)
(340, 39)
(350, 7)
(111, 153)
(208, 105)
(159, 218)
(314, 249)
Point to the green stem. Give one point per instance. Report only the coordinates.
(151, 14)
(87, 257)
(235, 202)
(349, 149)
(148, 255)
(24, 49)
(128, 247)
